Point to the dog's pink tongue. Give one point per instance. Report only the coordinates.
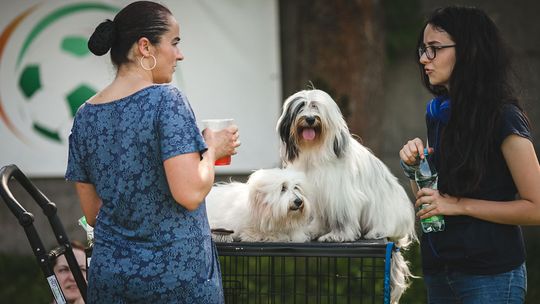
(308, 134)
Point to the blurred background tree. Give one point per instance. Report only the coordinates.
(362, 53)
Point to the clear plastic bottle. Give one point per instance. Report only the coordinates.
(426, 177)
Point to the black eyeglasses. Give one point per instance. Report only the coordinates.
(431, 50)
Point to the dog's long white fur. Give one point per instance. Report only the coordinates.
(269, 207)
(353, 193)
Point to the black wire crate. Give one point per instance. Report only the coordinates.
(323, 273)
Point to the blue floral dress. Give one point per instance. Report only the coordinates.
(148, 248)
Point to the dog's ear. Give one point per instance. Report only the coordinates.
(255, 193)
(291, 150)
(341, 142)
(286, 122)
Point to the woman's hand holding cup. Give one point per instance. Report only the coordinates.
(221, 135)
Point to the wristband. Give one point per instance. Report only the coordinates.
(408, 170)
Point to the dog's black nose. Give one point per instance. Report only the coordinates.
(310, 120)
(298, 202)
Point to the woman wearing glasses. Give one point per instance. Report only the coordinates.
(480, 143)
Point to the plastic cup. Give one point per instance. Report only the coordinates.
(216, 125)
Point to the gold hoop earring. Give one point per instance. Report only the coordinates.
(142, 65)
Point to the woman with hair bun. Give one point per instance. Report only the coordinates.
(142, 169)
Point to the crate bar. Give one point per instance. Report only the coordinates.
(373, 249)
(362, 248)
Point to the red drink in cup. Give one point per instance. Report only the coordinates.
(216, 125)
(224, 161)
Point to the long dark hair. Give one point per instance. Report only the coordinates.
(479, 87)
(136, 20)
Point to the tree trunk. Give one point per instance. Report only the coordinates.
(339, 47)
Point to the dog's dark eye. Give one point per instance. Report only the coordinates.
(283, 188)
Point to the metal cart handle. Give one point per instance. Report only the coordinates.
(26, 220)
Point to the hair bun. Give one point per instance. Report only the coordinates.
(102, 39)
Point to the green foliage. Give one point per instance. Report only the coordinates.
(416, 293)
(403, 22)
(21, 280)
(533, 264)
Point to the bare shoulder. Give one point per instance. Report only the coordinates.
(514, 141)
(518, 149)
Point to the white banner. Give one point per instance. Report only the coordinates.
(230, 70)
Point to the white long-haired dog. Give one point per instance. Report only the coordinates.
(269, 207)
(353, 193)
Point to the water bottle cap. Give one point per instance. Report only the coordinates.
(426, 151)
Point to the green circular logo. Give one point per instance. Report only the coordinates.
(47, 70)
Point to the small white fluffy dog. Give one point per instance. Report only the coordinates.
(353, 193)
(269, 207)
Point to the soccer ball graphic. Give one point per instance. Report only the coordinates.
(51, 71)
(39, 88)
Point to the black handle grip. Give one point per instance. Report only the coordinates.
(26, 219)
